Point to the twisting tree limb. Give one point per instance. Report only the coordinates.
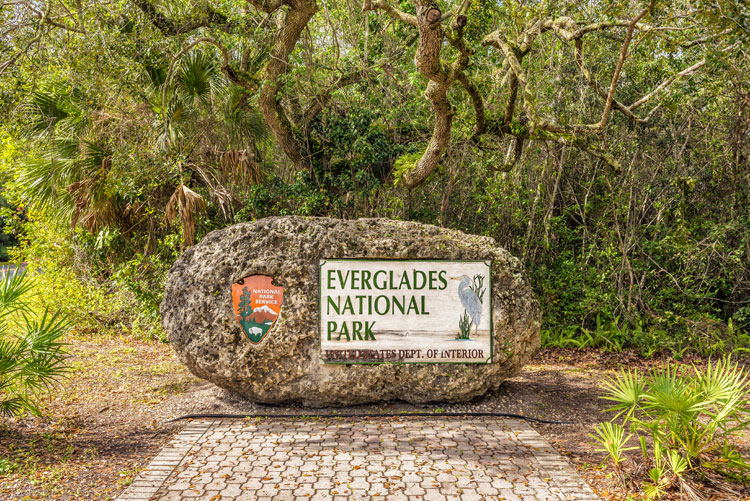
(428, 21)
(392, 11)
(167, 26)
(428, 63)
(298, 15)
(480, 126)
(433, 31)
(569, 30)
(511, 106)
(441, 77)
(618, 69)
(511, 156)
(513, 55)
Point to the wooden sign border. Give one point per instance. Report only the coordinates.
(322, 261)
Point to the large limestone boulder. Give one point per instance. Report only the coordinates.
(286, 366)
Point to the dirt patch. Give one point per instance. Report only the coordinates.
(98, 428)
(108, 419)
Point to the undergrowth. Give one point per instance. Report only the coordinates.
(95, 299)
(685, 422)
(705, 339)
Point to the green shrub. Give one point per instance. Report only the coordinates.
(32, 357)
(684, 424)
(83, 287)
(708, 338)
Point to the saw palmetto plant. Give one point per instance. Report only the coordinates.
(182, 124)
(685, 423)
(32, 355)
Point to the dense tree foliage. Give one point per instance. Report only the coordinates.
(604, 143)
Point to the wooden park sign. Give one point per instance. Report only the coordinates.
(385, 311)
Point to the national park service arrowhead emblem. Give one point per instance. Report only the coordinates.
(257, 304)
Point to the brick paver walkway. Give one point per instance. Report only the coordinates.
(373, 458)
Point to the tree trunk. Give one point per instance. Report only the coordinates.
(299, 14)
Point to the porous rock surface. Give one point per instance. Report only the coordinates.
(285, 366)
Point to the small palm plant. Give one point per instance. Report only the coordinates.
(612, 437)
(685, 424)
(32, 357)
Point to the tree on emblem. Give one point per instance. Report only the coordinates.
(245, 307)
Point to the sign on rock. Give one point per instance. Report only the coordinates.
(405, 311)
(257, 304)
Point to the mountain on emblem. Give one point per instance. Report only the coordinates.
(257, 304)
(263, 315)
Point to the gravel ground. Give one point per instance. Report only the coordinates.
(109, 418)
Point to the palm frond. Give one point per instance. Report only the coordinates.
(155, 75)
(626, 389)
(243, 123)
(613, 440)
(199, 77)
(16, 405)
(668, 391)
(185, 204)
(721, 381)
(12, 289)
(55, 109)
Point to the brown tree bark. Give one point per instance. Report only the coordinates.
(298, 15)
(428, 62)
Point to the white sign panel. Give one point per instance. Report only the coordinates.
(389, 311)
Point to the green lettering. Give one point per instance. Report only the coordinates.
(355, 279)
(404, 279)
(356, 328)
(331, 329)
(417, 275)
(343, 332)
(368, 331)
(361, 306)
(335, 305)
(343, 278)
(397, 304)
(377, 302)
(348, 305)
(424, 310)
(330, 279)
(433, 279)
(384, 283)
(413, 306)
(366, 279)
(441, 277)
